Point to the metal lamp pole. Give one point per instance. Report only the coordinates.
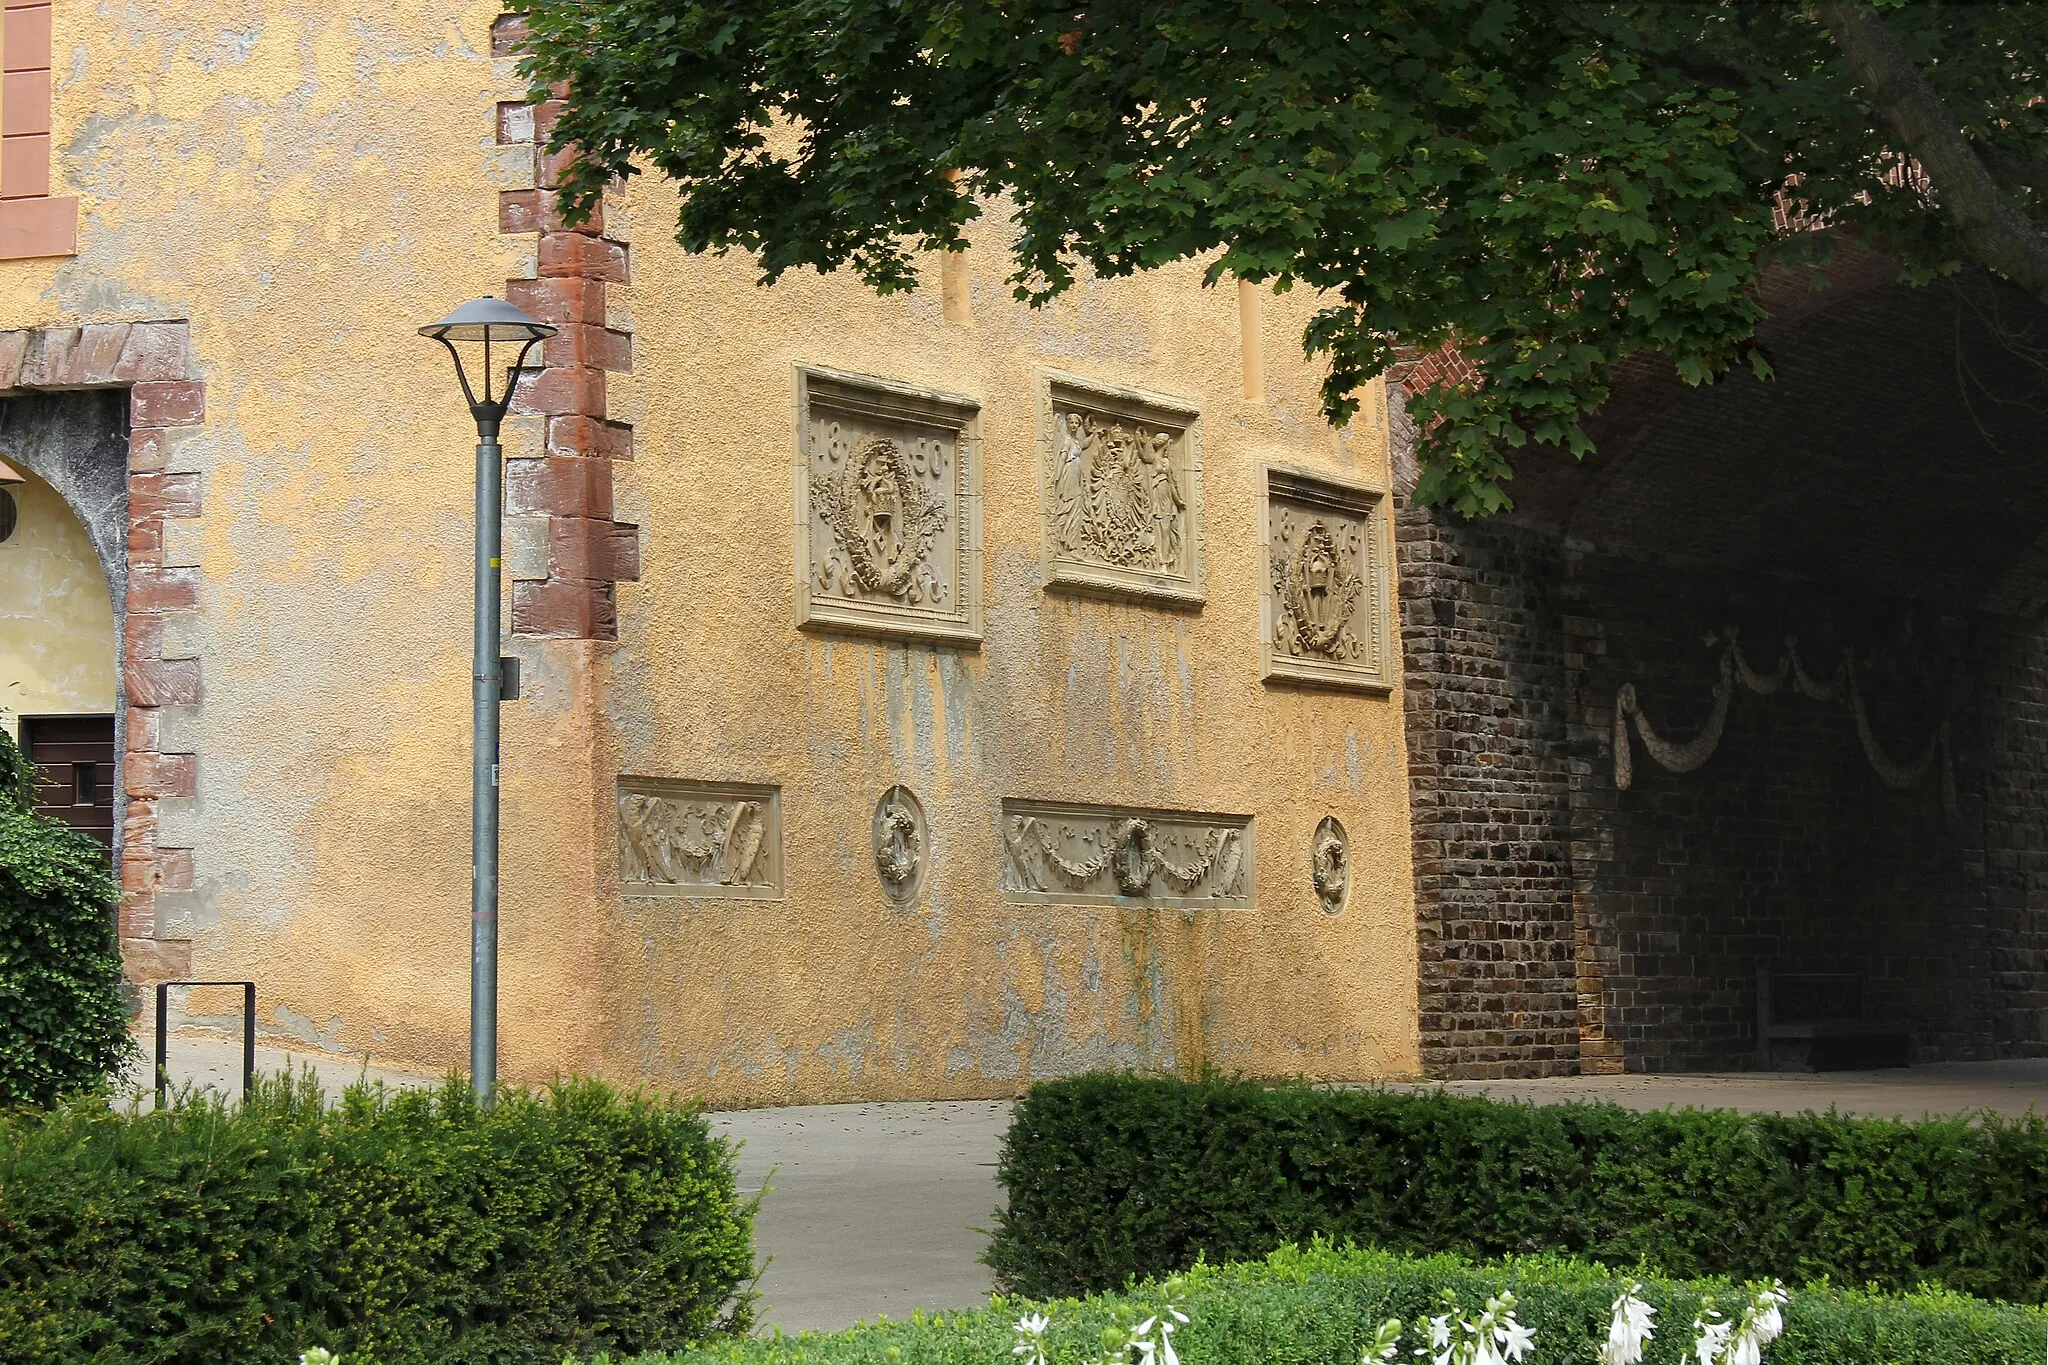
(493, 678)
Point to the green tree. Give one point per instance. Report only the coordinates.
(63, 1025)
(1549, 185)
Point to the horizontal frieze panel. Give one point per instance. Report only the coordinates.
(1121, 855)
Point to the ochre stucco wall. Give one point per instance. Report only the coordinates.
(307, 185)
(831, 992)
(56, 620)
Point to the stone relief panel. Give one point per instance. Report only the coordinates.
(1326, 599)
(900, 844)
(1115, 855)
(699, 838)
(888, 508)
(1122, 491)
(1330, 863)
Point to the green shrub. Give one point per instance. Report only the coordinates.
(1320, 1307)
(63, 1026)
(1115, 1176)
(407, 1227)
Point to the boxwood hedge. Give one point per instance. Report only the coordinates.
(399, 1228)
(63, 1026)
(1111, 1176)
(1321, 1306)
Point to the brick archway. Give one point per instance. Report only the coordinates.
(141, 511)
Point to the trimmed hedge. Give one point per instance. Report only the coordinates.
(1115, 1176)
(1320, 1307)
(408, 1227)
(63, 1026)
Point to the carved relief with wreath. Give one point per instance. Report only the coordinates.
(1326, 590)
(888, 500)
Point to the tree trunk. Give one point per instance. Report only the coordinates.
(1998, 234)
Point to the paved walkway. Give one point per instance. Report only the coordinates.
(1907, 1092)
(881, 1208)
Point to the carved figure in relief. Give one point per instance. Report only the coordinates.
(1023, 845)
(883, 520)
(1329, 864)
(1116, 496)
(679, 842)
(1317, 582)
(745, 832)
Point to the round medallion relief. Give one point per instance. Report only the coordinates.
(899, 844)
(1330, 863)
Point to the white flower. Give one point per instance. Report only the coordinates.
(1711, 1338)
(1515, 1339)
(1440, 1331)
(1030, 1347)
(1385, 1346)
(1767, 1323)
(1630, 1330)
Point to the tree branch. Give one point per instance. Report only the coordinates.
(1998, 234)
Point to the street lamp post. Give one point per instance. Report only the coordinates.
(487, 321)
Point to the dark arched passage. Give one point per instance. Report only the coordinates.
(1883, 500)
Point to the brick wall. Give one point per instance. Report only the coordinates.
(2014, 686)
(1484, 672)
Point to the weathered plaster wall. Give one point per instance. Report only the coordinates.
(306, 185)
(830, 992)
(56, 619)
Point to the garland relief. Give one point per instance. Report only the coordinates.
(1113, 855)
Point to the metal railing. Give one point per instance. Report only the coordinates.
(163, 1033)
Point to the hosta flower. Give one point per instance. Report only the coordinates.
(1030, 1347)
(1385, 1346)
(1767, 1321)
(1710, 1339)
(1515, 1339)
(1630, 1331)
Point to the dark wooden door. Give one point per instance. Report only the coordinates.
(76, 754)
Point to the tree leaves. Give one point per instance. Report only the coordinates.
(1549, 186)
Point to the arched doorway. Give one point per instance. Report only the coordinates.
(62, 584)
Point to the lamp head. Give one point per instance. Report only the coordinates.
(489, 321)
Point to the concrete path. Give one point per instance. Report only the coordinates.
(880, 1208)
(872, 1208)
(2009, 1088)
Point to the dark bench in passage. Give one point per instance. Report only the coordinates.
(1821, 1023)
